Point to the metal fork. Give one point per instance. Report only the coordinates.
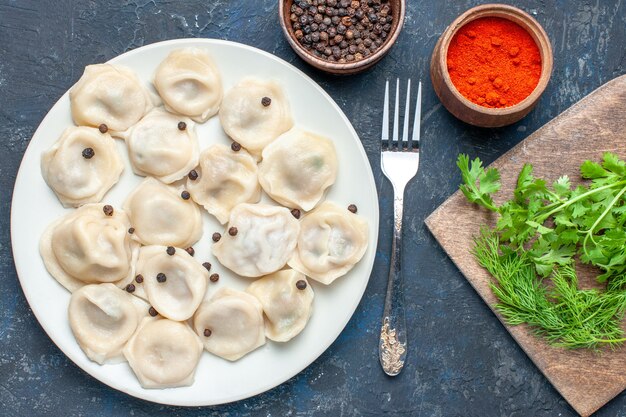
(399, 160)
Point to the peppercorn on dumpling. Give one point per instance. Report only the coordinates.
(190, 84)
(260, 239)
(163, 353)
(297, 168)
(163, 215)
(332, 240)
(287, 301)
(89, 245)
(81, 166)
(103, 318)
(254, 113)
(230, 324)
(162, 145)
(109, 96)
(172, 281)
(223, 179)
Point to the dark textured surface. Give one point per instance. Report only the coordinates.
(461, 361)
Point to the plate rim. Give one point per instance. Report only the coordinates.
(322, 348)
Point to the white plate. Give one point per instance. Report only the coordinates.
(217, 381)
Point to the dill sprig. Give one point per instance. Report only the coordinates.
(563, 314)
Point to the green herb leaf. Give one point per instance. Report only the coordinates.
(540, 234)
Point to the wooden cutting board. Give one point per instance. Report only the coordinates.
(594, 125)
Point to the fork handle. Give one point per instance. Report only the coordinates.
(392, 343)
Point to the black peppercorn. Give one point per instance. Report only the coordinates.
(103, 128)
(131, 230)
(216, 237)
(207, 265)
(190, 250)
(182, 125)
(207, 333)
(193, 175)
(161, 277)
(214, 277)
(88, 153)
(139, 279)
(171, 250)
(330, 28)
(295, 213)
(152, 312)
(185, 195)
(301, 284)
(352, 208)
(108, 210)
(232, 231)
(130, 288)
(235, 146)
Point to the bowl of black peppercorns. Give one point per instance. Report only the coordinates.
(341, 36)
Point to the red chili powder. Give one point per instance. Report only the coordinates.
(494, 62)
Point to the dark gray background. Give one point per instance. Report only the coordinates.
(461, 360)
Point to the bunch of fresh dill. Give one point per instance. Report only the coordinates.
(540, 233)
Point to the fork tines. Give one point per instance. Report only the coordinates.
(395, 143)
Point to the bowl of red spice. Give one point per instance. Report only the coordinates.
(491, 65)
(341, 36)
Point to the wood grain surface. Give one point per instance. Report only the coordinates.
(594, 125)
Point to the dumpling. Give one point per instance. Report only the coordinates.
(163, 353)
(230, 324)
(224, 179)
(331, 241)
(111, 95)
(287, 301)
(174, 282)
(189, 84)
(89, 245)
(162, 145)
(103, 318)
(81, 166)
(254, 113)
(297, 168)
(259, 239)
(161, 215)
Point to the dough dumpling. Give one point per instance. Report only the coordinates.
(81, 166)
(173, 284)
(225, 178)
(297, 168)
(161, 216)
(287, 300)
(331, 241)
(111, 95)
(157, 147)
(230, 324)
(254, 113)
(103, 317)
(163, 353)
(189, 84)
(88, 246)
(265, 240)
